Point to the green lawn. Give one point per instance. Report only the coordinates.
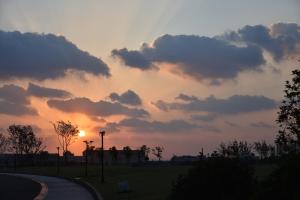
(146, 183)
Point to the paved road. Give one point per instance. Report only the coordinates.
(15, 188)
(61, 189)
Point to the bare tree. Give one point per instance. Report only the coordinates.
(3, 144)
(67, 133)
(157, 151)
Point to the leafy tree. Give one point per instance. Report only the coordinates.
(215, 179)
(127, 151)
(114, 152)
(23, 140)
(67, 133)
(289, 116)
(157, 151)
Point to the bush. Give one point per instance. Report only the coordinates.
(217, 178)
(283, 183)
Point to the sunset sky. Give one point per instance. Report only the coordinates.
(182, 74)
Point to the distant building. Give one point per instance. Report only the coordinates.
(114, 157)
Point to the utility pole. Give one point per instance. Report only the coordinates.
(102, 133)
(87, 143)
(57, 170)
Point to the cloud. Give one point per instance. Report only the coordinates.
(195, 56)
(43, 56)
(144, 126)
(216, 58)
(38, 91)
(261, 125)
(232, 124)
(134, 59)
(100, 108)
(185, 97)
(233, 105)
(280, 39)
(14, 100)
(129, 97)
(204, 118)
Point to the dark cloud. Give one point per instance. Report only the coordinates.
(185, 97)
(197, 57)
(14, 100)
(100, 108)
(280, 39)
(42, 56)
(232, 124)
(129, 97)
(218, 58)
(232, 105)
(134, 59)
(204, 118)
(38, 91)
(261, 125)
(143, 126)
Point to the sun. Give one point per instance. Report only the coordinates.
(81, 133)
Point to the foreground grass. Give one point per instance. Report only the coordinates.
(145, 182)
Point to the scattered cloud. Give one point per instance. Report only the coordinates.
(43, 56)
(231, 124)
(205, 118)
(195, 56)
(144, 126)
(233, 105)
(100, 108)
(14, 100)
(261, 125)
(280, 39)
(129, 97)
(38, 91)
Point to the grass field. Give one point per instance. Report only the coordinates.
(146, 182)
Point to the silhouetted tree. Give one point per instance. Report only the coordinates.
(67, 133)
(157, 151)
(145, 150)
(4, 144)
(114, 153)
(235, 149)
(289, 116)
(215, 179)
(263, 149)
(127, 151)
(23, 140)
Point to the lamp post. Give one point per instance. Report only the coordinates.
(87, 143)
(102, 133)
(57, 169)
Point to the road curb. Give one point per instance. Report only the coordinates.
(96, 195)
(43, 193)
(44, 188)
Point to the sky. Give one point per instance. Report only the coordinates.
(184, 75)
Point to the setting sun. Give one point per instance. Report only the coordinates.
(81, 133)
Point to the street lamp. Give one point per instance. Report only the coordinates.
(102, 133)
(57, 170)
(87, 143)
